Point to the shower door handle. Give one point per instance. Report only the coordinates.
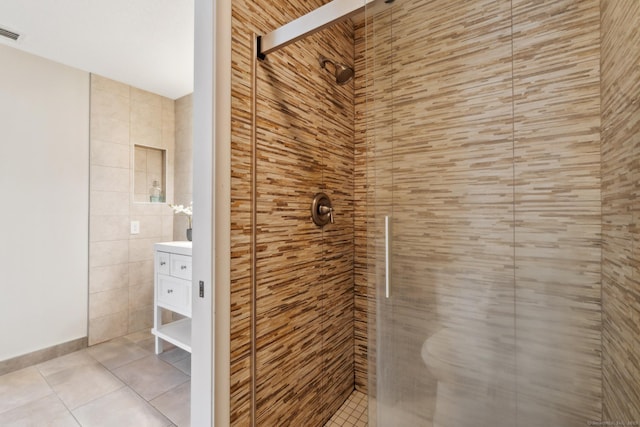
(387, 256)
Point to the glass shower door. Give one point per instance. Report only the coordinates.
(440, 203)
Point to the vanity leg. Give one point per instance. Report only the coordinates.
(157, 322)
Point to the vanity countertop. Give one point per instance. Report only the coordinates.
(181, 248)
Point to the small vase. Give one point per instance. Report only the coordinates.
(188, 234)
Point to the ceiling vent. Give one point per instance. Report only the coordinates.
(9, 34)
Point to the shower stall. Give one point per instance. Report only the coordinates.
(480, 270)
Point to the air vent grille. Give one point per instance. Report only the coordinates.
(9, 34)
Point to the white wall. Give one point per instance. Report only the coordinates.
(44, 196)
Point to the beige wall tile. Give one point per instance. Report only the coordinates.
(146, 115)
(184, 139)
(170, 195)
(108, 327)
(141, 250)
(109, 154)
(110, 105)
(141, 187)
(168, 123)
(111, 130)
(141, 294)
(108, 277)
(183, 163)
(147, 209)
(123, 117)
(140, 198)
(146, 118)
(146, 135)
(183, 111)
(184, 132)
(183, 186)
(154, 161)
(99, 83)
(146, 109)
(108, 227)
(140, 272)
(179, 230)
(183, 160)
(108, 302)
(167, 224)
(168, 110)
(108, 253)
(168, 135)
(140, 318)
(139, 96)
(109, 179)
(183, 199)
(140, 159)
(109, 203)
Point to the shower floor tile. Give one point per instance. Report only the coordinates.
(352, 413)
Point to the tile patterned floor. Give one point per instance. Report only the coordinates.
(352, 413)
(117, 383)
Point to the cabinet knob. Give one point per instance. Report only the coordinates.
(169, 291)
(162, 263)
(183, 267)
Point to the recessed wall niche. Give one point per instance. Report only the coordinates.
(149, 182)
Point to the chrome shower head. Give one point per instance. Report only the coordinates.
(342, 72)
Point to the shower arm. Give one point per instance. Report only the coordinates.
(323, 62)
(314, 21)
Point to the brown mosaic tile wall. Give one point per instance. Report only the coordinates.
(521, 77)
(526, 76)
(362, 302)
(443, 170)
(304, 274)
(620, 184)
(557, 211)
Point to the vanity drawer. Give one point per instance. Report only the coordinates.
(163, 262)
(181, 266)
(174, 294)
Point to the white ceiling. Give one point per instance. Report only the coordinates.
(144, 43)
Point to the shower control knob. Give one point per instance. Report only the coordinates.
(322, 210)
(327, 210)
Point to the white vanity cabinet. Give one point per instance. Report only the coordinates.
(172, 291)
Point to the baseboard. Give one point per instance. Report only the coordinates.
(43, 355)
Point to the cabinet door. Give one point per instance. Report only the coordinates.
(174, 294)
